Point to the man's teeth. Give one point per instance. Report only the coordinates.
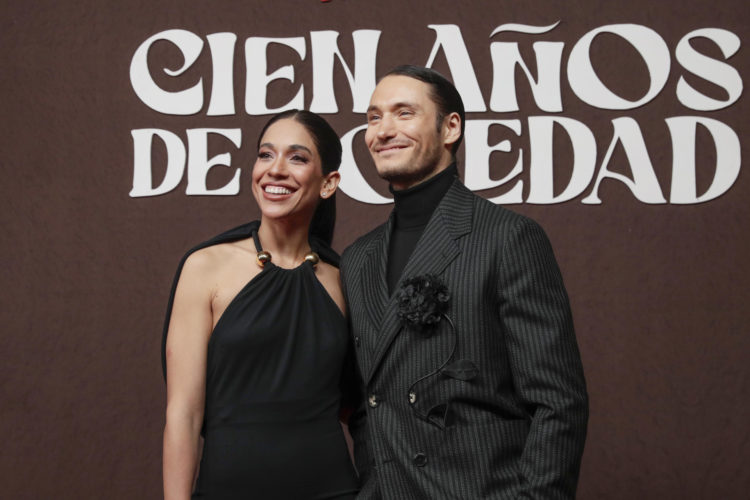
(277, 190)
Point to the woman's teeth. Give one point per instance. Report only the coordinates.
(277, 190)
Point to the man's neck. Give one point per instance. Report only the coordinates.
(410, 183)
(414, 206)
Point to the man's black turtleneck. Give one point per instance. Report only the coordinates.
(412, 211)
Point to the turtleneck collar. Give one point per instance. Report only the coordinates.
(414, 206)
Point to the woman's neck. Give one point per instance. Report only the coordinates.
(287, 241)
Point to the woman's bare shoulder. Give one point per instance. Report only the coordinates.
(328, 270)
(216, 257)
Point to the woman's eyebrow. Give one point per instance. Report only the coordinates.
(300, 146)
(292, 147)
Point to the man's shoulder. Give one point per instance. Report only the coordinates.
(361, 244)
(491, 216)
(494, 222)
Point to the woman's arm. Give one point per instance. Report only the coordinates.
(187, 343)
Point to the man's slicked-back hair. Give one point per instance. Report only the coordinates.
(442, 92)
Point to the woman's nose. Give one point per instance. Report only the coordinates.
(278, 167)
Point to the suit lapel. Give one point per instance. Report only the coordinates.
(437, 247)
(374, 288)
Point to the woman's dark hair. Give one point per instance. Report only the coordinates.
(442, 92)
(329, 149)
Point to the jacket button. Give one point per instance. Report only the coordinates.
(412, 397)
(357, 342)
(420, 459)
(372, 400)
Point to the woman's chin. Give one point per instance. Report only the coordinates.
(274, 214)
(281, 214)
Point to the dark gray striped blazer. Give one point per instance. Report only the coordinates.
(507, 418)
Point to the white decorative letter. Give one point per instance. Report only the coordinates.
(258, 80)
(352, 183)
(199, 164)
(477, 174)
(449, 37)
(222, 57)
(362, 82)
(590, 89)
(541, 169)
(184, 102)
(714, 71)
(142, 175)
(728, 158)
(505, 58)
(644, 185)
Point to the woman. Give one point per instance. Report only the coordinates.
(256, 341)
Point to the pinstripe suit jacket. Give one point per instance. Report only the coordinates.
(514, 430)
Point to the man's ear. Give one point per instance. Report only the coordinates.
(451, 129)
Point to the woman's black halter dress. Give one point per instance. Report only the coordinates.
(273, 392)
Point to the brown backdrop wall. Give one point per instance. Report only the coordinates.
(659, 291)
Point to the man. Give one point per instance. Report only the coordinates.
(464, 338)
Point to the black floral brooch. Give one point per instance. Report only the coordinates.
(422, 302)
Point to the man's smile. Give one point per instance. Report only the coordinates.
(389, 148)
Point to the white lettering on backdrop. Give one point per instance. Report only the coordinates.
(582, 77)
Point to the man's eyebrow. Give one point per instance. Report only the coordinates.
(406, 104)
(398, 105)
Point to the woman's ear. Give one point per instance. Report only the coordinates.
(330, 184)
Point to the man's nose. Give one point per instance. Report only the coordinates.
(386, 127)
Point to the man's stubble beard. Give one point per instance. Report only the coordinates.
(404, 176)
